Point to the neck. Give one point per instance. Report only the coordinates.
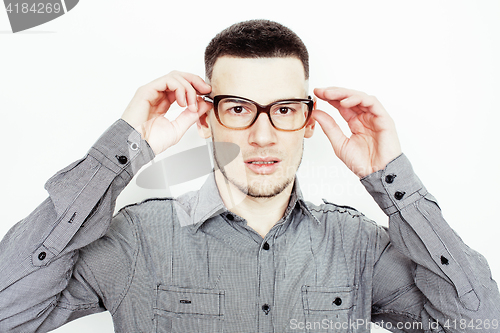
(261, 214)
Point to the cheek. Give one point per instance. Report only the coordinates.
(294, 146)
(222, 134)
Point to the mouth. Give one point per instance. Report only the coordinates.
(263, 165)
(261, 162)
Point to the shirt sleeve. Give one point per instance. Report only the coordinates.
(426, 273)
(38, 255)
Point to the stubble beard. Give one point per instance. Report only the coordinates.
(258, 190)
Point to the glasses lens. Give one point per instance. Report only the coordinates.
(239, 113)
(236, 113)
(289, 115)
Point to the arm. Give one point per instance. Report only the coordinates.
(37, 255)
(42, 282)
(425, 272)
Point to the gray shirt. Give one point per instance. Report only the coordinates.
(190, 265)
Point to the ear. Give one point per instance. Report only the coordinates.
(311, 123)
(203, 125)
(309, 129)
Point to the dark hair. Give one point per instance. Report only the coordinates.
(256, 39)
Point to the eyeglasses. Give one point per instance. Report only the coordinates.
(240, 113)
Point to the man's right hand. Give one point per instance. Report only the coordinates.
(146, 110)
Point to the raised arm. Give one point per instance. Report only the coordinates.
(43, 284)
(426, 278)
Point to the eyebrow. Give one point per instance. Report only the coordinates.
(273, 101)
(283, 99)
(235, 100)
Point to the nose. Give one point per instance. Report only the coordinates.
(262, 132)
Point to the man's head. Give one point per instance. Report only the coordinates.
(264, 62)
(256, 39)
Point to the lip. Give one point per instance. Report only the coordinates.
(263, 169)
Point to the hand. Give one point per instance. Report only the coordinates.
(374, 141)
(147, 108)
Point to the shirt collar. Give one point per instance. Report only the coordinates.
(195, 208)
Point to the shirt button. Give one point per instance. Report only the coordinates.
(266, 308)
(230, 217)
(399, 195)
(134, 146)
(122, 159)
(389, 178)
(444, 261)
(266, 246)
(337, 301)
(42, 256)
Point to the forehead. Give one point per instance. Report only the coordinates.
(261, 79)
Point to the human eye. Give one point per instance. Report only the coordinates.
(285, 110)
(288, 109)
(236, 107)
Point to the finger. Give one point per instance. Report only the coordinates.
(203, 106)
(147, 95)
(331, 129)
(161, 107)
(190, 93)
(201, 87)
(155, 90)
(346, 113)
(334, 96)
(333, 93)
(351, 101)
(355, 100)
(170, 96)
(363, 103)
(180, 95)
(177, 80)
(184, 121)
(187, 118)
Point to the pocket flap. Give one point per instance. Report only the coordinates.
(190, 301)
(327, 298)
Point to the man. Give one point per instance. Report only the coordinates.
(245, 253)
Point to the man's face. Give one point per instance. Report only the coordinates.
(268, 158)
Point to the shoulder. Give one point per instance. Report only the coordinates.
(146, 210)
(343, 219)
(329, 207)
(330, 212)
(347, 230)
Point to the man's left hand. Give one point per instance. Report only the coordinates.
(374, 141)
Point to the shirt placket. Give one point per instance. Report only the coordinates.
(266, 284)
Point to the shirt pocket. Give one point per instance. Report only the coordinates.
(328, 309)
(184, 310)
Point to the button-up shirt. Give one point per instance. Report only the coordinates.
(191, 265)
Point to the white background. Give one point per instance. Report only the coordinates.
(433, 64)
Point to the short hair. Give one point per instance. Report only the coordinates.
(256, 39)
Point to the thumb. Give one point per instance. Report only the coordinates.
(187, 118)
(331, 129)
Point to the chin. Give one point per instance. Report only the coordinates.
(268, 189)
(255, 185)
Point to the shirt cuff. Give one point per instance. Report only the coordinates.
(121, 148)
(78, 189)
(394, 187)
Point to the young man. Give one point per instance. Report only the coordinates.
(245, 253)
